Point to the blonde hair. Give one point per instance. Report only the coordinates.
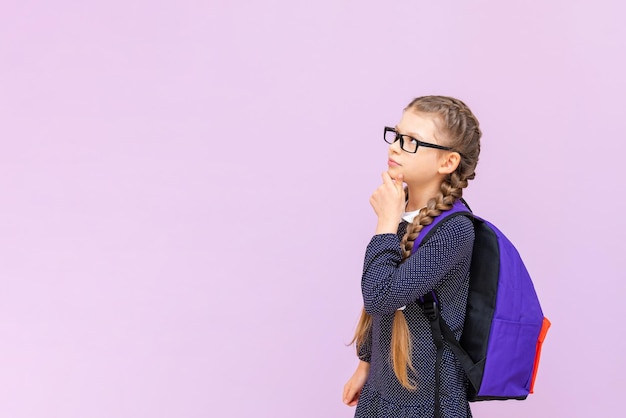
(461, 130)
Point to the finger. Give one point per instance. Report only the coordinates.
(387, 179)
(400, 182)
(348, 394)
(355, 399)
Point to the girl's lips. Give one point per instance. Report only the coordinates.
(392, 163)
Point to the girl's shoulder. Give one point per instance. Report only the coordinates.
(453, 235)
(457, 226)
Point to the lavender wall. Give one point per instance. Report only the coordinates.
(185, 193)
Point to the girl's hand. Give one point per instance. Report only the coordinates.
(352, 389)
(388, 201)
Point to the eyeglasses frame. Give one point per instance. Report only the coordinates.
(401, 137)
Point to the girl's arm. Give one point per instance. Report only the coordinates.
(365, 351)
(388, 283)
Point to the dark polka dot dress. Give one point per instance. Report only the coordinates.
(442, 263)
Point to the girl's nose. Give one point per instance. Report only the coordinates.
(395, 146)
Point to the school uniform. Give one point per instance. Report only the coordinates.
(443, 264)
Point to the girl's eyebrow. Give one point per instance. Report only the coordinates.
(413, 134)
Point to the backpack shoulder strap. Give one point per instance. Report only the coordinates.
(441, 332)
(460, 207)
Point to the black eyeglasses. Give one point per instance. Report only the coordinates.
(408, 143)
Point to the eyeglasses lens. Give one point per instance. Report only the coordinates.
(406, 143)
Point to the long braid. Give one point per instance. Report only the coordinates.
(401, 346)
(463, 134)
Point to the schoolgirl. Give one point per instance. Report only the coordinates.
(434, 150)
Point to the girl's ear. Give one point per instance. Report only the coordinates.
(449, 162)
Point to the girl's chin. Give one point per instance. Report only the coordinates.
(393, 172)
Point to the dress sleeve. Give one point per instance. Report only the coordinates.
(365, 351)
(388, 283)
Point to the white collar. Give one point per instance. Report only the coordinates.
(409, 216)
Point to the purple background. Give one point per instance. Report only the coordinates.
(185, 192)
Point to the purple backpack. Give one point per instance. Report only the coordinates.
(504, 326)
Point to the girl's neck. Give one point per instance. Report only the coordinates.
(419, 197)
(411, 206)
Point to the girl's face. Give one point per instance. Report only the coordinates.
(423, 168)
